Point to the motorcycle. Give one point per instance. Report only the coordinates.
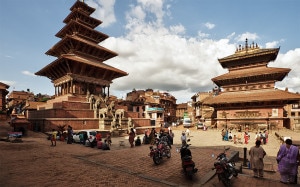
(188, 165)
(161, 150)
(225, 169)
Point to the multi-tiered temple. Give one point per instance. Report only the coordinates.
(249, 97)
(79, 74)
(79, 67)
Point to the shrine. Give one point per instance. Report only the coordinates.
(80, 77)
(248, 97)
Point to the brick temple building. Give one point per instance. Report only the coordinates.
(249, 98)
(79, 73)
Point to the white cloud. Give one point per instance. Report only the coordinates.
(104, 11)
(272, 44)
(248, 35)
(202, 34)
(28, 73)
(157, 57)
(291, 60)
(209, 25)
(163, 58)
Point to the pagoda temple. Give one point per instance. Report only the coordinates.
(248, 97)
(79, 75)
(79, 66)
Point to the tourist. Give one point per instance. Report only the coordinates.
(152, 136)
(246, 137)
(53, 137)
(239, 137)
(234, 139)
(266, 136)
(85, 138)
(287, 157)
(138, 141)
(257, 136)
(171, 137)
(105, 145)
(146, 137)
(183, 138)
(70, 135)
(81, 138)
(98, 136)
(257, 154)
(230, 136)
(108, 139)
(187, 132)
(263, 137)
(131, 137)
(223, 134)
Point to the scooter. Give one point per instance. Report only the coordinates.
(225, 169)
(188, 165)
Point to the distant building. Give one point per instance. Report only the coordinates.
(17, 99)
(203, 113)
(158, 106)
(293, 113)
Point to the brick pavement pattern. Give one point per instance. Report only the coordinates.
(35, 163)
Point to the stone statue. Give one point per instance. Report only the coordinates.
(91, 101)
(88, 95)
(119, 113)
(102, 113)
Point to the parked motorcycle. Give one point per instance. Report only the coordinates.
(161, 150)
(225, 169)
(188, 165)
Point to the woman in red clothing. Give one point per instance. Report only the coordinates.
(246, 137)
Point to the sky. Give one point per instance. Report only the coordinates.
(165, 45)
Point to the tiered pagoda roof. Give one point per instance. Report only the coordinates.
(80, 57)
(249, 79)
(253, 96)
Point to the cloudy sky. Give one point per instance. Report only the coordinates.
(166, 45)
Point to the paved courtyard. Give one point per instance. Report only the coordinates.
(35, 163)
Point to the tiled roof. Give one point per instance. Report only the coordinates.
(253, 96)
(247, 54)
(262, 70)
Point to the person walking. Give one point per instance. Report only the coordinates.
(131, 137)
(257, 154)
(183, 138)
(246, 137)
(287, 159)
(53, 138)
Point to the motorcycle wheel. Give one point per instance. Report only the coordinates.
(224, 180)
(156, 159)
(235, 173)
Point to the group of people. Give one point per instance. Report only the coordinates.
(240, 136)
(151, 135)
(287, 158)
